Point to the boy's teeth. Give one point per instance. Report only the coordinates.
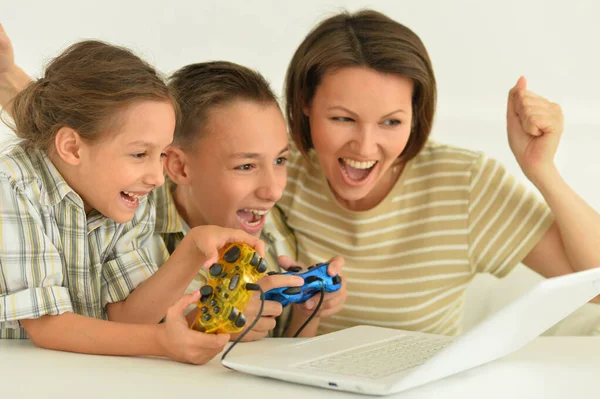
(359, 165)
(256, 211)
(132, 195)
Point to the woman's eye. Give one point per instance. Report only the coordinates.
(341, 119)
(392, 122)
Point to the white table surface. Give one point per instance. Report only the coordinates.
(549, 367)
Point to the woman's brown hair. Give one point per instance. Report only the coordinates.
(365, 39)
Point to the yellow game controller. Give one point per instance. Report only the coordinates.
(225, 296)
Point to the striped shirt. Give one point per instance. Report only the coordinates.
(451, 214)
(171, 228)
(53, 257)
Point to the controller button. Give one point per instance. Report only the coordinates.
(216, 310)
(232, 254)
(225, 295)
(234, 314)
(311, 267)
(292, 291)
(234, 282)
(311, 279)
(255, 259)
(271, 273)
(295, 269)
(213, 302)
(241, 321)
(215, 269)
(204, 309)
(206, 317)
(219, 289)
(262, 266)
(336, 279)
(206, 290)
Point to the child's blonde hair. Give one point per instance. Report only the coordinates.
(84, 88)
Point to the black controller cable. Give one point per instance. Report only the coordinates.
(256, 287)
(314, 313)
(249, 287)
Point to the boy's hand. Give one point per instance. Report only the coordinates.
(271, 310)
(210, 239)
(184, 345)
(333, 302)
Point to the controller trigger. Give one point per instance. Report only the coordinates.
(293, 291)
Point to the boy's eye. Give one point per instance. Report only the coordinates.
(163, 155)
(247, 166)
(281, 161)
(139, 155)
(392, 122)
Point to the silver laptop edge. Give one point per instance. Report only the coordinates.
(500, 334)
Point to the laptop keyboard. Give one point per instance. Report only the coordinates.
(381, 359)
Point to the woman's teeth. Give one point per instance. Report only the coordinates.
(359, 165)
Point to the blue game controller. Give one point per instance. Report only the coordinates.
(315, 279)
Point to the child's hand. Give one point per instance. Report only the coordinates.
(12, 78)
(7, 55)
(184, 345)
(209, 239)
(333, 302)
(271, 310)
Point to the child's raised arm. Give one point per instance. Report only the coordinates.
(12, 78)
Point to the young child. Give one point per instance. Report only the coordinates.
(77, 213)
(416, 220)
(227, 167)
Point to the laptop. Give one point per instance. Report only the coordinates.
(382, 361)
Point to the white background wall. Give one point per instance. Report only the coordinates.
(478, 48)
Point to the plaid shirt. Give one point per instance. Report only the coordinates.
(53, 257)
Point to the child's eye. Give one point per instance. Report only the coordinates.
(342, 119)
(139, 155)
(281, 161)
(392, 122)
(244, 167)
(163, 155)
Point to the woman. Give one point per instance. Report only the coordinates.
(415, 220)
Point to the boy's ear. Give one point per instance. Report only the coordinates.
(176, 166)
(68, 145)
